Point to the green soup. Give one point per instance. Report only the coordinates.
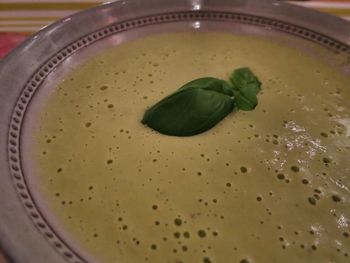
(270, 185)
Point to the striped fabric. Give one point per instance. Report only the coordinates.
(27, 16)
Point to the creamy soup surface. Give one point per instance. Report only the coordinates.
(269, 185)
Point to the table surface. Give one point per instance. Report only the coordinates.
(21, 18)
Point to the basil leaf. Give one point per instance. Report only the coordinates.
(200, 104)
(246, 87)
(196, 107)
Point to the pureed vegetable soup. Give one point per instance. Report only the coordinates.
(268, 185)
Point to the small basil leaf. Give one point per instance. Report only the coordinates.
(189, 111)
(246, 87)
(245, 103)
(243, 78)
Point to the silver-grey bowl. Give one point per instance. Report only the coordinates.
(28, 232)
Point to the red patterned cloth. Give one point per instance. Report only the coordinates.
(8, 41)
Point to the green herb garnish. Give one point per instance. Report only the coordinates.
(245, 88)
(200, 104)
